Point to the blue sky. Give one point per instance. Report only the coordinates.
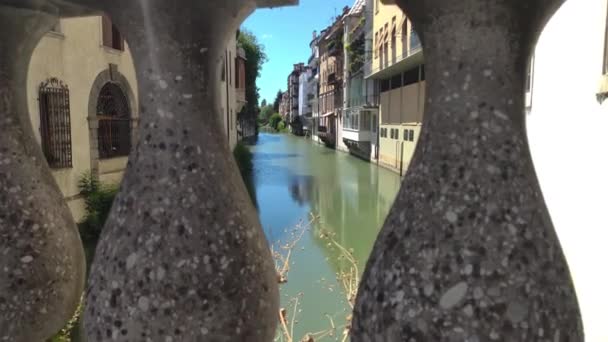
(286, 32)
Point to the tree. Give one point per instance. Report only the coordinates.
(277, 101)
(265, 113)
(264, 103)
(256, 57)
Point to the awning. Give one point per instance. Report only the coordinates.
(328, 114)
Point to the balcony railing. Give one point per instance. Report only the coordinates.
(330, 101)
(414, 47)
(364, 101)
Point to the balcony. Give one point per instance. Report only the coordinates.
(331, 101)
(371, 101)
(358, 124)
(387, 66)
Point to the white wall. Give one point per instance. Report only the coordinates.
(568, 133)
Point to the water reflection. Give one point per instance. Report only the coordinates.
(293, 178)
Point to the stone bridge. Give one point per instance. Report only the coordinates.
(468, 252)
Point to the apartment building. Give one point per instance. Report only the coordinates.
(83, 102)
(398, 65)
(359, 133)
(313, 65)
(308, 89)
(293, 89)
(232, 93)
(331, 77)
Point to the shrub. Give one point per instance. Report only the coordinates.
(98, 200)
(244, 160)
(275, 120)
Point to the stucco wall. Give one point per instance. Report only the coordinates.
(383, 14)
(567, 134)
(390, 149)
(76, 57)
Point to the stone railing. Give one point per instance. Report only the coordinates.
(467, 252)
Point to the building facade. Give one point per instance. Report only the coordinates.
(331, 81)
(232, 93)
(313, 65)
(293, 90)
(361, 96)
(83, 102)
(566, 123)
(398, 65)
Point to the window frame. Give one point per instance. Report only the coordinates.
(55, 123)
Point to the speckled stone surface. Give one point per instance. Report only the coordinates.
(41, 257)
(468, 252)
(183, 256)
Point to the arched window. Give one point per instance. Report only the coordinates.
(55, 127)
(114, 117)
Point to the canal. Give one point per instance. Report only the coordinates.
(295, 178)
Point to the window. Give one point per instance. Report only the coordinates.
(114, 129)
(411, 137)
(405, 134)
(55, 127)
(396, 134)
(385, 85)
(396, 81)
(374, 125)
(411, 76)
(376, 42)
(377, 6)
(111, 36)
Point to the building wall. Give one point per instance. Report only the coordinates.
(389, 16)
(228, 93)
(568, 140)
(77, 57)
(400, 108)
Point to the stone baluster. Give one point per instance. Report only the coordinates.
(468, 252)
(182, 256)
(41, 258)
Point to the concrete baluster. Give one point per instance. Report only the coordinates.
(41, 258)
(468, 252)
(182, 256)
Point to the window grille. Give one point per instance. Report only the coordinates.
(55, 126)
(114, 129)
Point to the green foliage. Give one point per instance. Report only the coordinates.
(274, 121)
(67, 333)
(356, 54)
(98, 200)
(282, 127)
(256, 57)
(244, 160)
(265, 114)
(277, 101)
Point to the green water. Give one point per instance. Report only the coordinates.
(295, 177)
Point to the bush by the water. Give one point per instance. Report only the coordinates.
(275, 120)
(244, 160)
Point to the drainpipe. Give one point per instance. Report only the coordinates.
(227, 99)
(401, 166)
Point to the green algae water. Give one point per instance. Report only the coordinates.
(295, 178)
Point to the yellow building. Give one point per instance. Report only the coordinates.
(398, 64)
(83, 102)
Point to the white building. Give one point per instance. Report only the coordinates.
(567, 128)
